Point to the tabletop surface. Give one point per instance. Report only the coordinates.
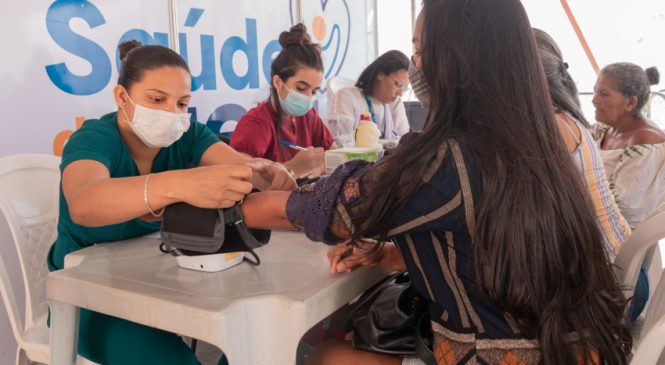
(292, 266)
(257, 314)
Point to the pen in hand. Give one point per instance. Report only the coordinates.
(294, 146)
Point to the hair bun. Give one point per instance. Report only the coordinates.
(125, 47)
(297, 35)
(653, 75)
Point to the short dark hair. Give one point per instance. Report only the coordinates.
(386, 64)
(137, 59)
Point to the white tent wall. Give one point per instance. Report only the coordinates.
(64, 56)
(615, 30)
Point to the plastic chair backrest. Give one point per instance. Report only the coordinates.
(630, 257)
(650, 344)
(334, 85)
(338, 82)
(29, 188)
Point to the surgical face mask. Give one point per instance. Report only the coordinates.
(419, 85)
(157, 128)
(296, 103)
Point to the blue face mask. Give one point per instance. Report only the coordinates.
(296, 103)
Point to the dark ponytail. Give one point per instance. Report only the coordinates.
(297, 51)
(562, 86)
(137, 59)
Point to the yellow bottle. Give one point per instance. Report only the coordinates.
(367, 134)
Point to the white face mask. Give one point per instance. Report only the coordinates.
(157, 128)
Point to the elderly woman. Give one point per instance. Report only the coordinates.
(632, 150)
(632, 147)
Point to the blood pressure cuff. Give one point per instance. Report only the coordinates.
(191, 231)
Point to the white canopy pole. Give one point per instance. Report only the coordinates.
(376, 28)
(414, 9)
(174, 42)
(298, 11)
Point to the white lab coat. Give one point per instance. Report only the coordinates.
(349, 103)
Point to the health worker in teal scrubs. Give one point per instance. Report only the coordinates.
(121, 170)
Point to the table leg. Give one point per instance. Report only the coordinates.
(64, 332)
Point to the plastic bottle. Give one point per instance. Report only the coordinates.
(367, 134)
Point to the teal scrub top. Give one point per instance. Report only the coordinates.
(100, 140)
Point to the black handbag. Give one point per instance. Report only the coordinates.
(192, 231)
(392, 318)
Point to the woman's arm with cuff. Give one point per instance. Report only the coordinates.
(266, 210)
(96, 199)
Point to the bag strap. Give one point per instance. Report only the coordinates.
(234, 216)
(423, 349)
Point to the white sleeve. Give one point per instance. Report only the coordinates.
(399, 116)
(638, 182)
(343, 119)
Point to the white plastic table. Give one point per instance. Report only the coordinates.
(256, 315)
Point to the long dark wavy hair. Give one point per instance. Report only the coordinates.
(538, 251)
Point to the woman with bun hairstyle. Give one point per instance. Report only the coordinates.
(121, 170)
(277, 127)
(632, 147)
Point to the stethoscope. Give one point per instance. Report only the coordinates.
(385, 111)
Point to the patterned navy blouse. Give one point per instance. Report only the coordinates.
(432, 233)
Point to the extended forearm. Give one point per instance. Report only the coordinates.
(111, 201)
(266, 210)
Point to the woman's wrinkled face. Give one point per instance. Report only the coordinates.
(611, 105)
(165, 88)
(390, 87)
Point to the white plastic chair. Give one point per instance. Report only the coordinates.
(632, 253)
(342, 137)
(29, 188)
(650, 340)
(649, 346)
(335, 84)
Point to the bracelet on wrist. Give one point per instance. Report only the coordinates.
(145, 198)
